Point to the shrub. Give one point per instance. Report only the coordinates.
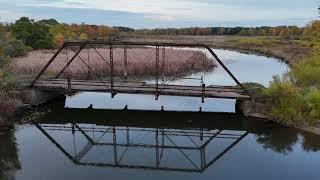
(307, 71)
(15, 48)
(286, 102)
(312, 35)
(313, 100)
(6, 81)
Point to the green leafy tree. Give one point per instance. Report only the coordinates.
(33, 34)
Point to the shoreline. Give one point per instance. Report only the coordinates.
(287, 51)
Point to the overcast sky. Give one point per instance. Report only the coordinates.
(165, 13)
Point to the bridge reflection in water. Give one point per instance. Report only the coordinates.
(120, 144)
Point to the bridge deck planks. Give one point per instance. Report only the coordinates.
(227, 92)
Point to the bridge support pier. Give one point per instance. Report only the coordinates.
(37, 97)
(251, 109)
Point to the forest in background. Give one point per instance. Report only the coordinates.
(48, 34)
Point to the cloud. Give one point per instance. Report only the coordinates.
(165, 13)
(160, 17)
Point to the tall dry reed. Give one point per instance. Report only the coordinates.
(141, 61)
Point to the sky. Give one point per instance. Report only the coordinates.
(165, 13)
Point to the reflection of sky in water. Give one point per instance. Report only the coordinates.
(247, 159)
(148, 102)
(246, 68)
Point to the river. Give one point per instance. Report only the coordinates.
(109, 143)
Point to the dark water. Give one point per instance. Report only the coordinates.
(92, 144)
(72, 143)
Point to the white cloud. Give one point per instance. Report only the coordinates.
(9, 16)
(185, 10)
(203, 11)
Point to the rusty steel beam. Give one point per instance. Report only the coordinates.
(111, 68)
(163, 64)
(48, 64)
(121, 43)
(157, 68)
(224, 66)
(70, 61)
(125, 62)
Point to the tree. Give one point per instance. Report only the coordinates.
(40, 38)
(49, 21)
(33, 34)
(22, 29)
(58, 40)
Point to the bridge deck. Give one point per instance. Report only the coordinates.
(226, 92)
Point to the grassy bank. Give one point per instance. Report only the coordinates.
(141, 61)
(289, 51)
(294, 98)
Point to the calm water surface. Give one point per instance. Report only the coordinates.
(73, 143)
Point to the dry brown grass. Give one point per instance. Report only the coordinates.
(141, 61)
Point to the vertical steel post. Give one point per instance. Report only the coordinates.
(69, 83)
(157, 71)
(163, 71)
(203, 92)
(88, 53)
(125, 62)
(111, 71)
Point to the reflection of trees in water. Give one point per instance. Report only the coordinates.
(311, 142)
(282, 140)
(9, 161)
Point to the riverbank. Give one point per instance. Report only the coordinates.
(290, 51)
(261, 111)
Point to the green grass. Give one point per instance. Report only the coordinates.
(307, 72)
(285, 102)
(313, 104)
(254, 41)
(294, 99)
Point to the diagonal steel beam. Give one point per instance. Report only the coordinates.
(182, 152)
(224, 66)
(225, 151)
(55, 143)
(71, 60)
(48, 64)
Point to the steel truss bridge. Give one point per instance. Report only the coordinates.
(115, 85)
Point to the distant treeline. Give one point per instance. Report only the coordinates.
(282, 31)
(48, 34)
